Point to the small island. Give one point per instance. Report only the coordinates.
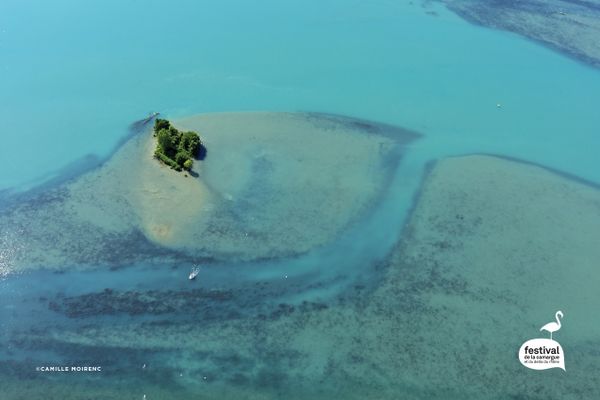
(174, 148)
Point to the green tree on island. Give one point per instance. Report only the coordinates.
(174, 148)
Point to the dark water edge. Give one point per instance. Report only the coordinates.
(405, 136)
(493, 15)
(73, 170)
(567, 175)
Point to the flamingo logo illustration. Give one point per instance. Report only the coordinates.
(553, 326)
(544, 353)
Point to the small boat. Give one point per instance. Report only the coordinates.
(194, 273)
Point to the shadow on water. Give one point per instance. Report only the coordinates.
(201, 152)
(200, 156)
(73, 169)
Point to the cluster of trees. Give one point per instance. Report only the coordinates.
(174, 148)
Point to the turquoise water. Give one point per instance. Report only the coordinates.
(73, 76)
(73, 82)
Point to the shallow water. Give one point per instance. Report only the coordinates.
(71, 86)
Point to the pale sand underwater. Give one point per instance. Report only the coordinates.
(285, 183)
(272, 185)
(492, 249)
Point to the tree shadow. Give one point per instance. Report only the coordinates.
(201, 155)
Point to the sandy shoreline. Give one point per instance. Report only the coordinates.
(165, 200)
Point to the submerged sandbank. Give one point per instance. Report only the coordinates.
(491, 251)
(283, 183)
(272, 185)
(571, 27)
(493, 248)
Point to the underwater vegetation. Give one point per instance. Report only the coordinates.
(452, 302)
(569, 26)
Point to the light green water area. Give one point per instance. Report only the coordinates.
(392, 202)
